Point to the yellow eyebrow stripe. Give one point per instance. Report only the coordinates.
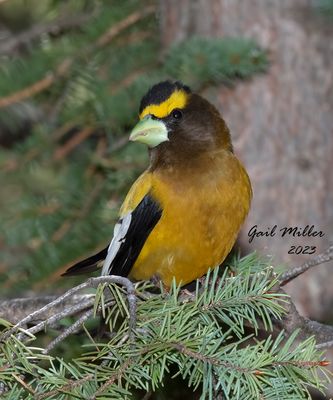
(178, 99)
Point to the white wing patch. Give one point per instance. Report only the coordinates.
(119, 236)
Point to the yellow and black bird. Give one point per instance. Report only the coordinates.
(182, 215)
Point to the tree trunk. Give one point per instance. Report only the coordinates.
(281, 124)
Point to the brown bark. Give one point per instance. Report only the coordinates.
(281, 123)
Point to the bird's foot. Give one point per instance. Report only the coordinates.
(158, 284)
(185, 295)
(155, 280)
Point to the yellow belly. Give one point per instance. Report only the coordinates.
(199, 224)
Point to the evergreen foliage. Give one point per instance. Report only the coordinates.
(68, 97)
(63, 184)
(201, 61)
(325, 7)
(201, 338)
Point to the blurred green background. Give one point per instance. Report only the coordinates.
(72, 74)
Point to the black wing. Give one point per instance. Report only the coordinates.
(89, 264)
(130, 234)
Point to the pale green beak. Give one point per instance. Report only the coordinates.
(149, 131)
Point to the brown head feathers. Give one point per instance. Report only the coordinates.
(195, 127)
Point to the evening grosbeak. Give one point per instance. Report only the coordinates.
(182, 215)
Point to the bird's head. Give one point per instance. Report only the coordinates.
(173, 119)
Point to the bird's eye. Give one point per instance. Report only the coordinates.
(177, 114)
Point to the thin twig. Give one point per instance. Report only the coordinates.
(14, 310)
(124, 24)
(42, 311)
(69, 331)
(90, 283)
(117, 375)
(38, 86)
(61, 131)
(73, 142)
(66, 65)
(72, 384)
(292, 321)
(66, 312)
(24, 384)
(119, 144)
(324, 345)
(293, 273)
(207, 359)
(62, 24)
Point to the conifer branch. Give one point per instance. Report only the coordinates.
(293, 273)
(39, 86)
(72, 384)
(124, 24)
(117, 375)
(24, 384)
(180, 328)
(90, 283)
(14, 310)
(70, 330)
(70, 145)
(325, 345)
(56, 27)
(66, 65)
(307, 327)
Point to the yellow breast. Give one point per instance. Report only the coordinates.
(202, 214)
